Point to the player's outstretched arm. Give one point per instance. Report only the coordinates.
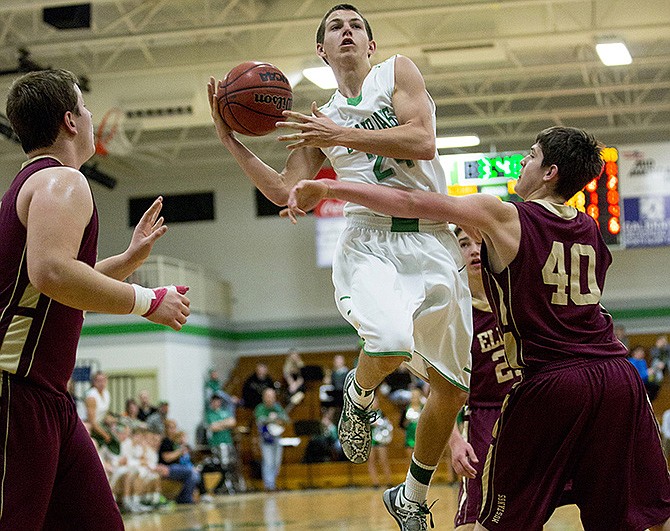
(497, 221)
(146, 233)
(301, 164)
(55, 205)
(413, 138)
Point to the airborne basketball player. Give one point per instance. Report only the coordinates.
(581, 411)
(50, 474)
(379, 127)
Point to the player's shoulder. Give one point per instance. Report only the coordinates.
(65, 175)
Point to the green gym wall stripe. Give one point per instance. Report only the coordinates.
(290, 333)
(640, 313)
(205, 331)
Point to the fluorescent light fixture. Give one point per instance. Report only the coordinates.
(321, 76)
(613, 53)
(456, 141)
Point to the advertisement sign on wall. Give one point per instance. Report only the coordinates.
(645, 191)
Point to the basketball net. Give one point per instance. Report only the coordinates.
(110, 137)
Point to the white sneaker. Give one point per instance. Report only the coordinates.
(206, 498)
(135, 507)
(409, 515)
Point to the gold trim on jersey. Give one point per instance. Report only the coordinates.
(481, 305)
(37, 341)
(489, 464)
(16, 335)
(4, 457)
(512, 350)
(30, 161)
(13, 343)
(562, 211)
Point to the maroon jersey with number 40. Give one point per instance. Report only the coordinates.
(547, 300)
(38, 336)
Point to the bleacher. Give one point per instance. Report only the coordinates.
(295, 474)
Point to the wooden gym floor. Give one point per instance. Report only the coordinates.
(345, 509)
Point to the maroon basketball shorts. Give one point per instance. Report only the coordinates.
(52, 477)
(478, 428)
(589, 421)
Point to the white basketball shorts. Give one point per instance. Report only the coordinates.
(402, 284)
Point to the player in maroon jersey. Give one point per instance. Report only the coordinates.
(581, 411)
(50, 474)
(490, 381)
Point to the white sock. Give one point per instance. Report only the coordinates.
(359, 395)
(418, 481)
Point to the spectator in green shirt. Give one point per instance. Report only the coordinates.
(220, 423)
(271, 420)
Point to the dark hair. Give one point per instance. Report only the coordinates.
(576, 154)
(36, 104)
(321, 31)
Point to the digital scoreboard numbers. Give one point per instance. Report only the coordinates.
(497, 174)
(491, 168)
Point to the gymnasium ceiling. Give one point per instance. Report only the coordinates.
(503, 70)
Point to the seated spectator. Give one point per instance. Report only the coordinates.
(124, 474)
(324, 446)
(620, 333)
(175, 454)
(220, 424)
(271, 420)
(382, 434)
(130, 415)
(337, 376)
(409, 419)
(397, 386)
(146, 408)
(638, 359)
(156, 421)
(293, 365)
(252, 389)
(145, 452)
(665, 431)
(97, 402)
(212, 386)
(660, 358)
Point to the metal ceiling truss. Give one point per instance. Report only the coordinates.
(502, 70)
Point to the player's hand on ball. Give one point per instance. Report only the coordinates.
(316, 130)
(173, 309)
(304, 197)
(222, 129)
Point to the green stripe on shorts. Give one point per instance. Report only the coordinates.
(402, 353)
(404, 225)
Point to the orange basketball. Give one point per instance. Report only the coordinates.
(252, 98)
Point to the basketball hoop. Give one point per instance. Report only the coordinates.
(110, 138)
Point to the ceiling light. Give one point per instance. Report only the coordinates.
(613, 53)
(321, 76)
(456, 141)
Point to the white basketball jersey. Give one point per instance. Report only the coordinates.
(373, 109)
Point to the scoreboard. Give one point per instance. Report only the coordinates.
(497, 174)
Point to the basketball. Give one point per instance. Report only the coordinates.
(252, 98)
